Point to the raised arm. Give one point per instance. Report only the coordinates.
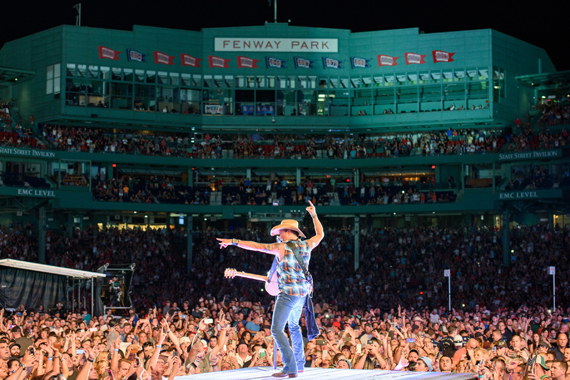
(315, 240)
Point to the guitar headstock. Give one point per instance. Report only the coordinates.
(230, 273)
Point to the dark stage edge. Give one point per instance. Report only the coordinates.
(264, 373)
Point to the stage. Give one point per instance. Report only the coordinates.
(264, 373)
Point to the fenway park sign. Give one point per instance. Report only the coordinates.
(308, 45)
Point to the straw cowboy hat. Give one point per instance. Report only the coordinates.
(287, 224)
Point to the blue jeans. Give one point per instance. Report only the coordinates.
(288, 309)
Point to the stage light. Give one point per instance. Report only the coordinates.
(114, 165)
(421, 293)
(433, 166)
(462, 305)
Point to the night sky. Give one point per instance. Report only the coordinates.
(544, 25)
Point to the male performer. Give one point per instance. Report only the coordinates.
(293, 286)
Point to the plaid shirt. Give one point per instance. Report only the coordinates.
(291, 278)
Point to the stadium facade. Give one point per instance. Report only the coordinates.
(277, 79)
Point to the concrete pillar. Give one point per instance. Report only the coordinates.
(506, 238)
(356, 242)
(42, 235)
(189, 228)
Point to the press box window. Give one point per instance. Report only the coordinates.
(53, 79)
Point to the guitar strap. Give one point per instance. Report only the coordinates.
(312, 328)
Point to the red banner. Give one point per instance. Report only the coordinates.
(106, 53)
(442, 56)
(386, 60)
(188, 60)
(247, 63)
(415, 59)
(162, 58)
(218, 62)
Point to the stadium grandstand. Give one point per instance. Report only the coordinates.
(439, 169)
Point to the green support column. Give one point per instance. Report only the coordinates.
(506, 238)
(463, 177)
(356, 243)
(69, 226)
(190, 179)
(298, 170)
(190, 227)
(357, 178)
(110, 171)
(493, 176)
(42, 235)
(551, 220)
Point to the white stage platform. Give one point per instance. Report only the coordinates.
(264, 373)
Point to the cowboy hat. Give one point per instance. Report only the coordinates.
(287, 224)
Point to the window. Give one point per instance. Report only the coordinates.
(498, 84)
(53, 79)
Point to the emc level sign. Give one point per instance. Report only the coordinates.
(297, 45)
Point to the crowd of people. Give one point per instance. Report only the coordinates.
(537, 177)
(554, 112)
(18, 137)
(395, 265)
(463, 141)
(534, 139)
(153, 189)
(495, 327)
(450, 142)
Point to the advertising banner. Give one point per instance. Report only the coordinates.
(213, 109)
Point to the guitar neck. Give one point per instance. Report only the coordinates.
(252, 276)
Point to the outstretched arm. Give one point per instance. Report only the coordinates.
(315, 240)
(272, 249)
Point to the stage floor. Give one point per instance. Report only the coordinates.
(264, 373)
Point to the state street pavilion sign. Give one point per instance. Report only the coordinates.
(306, 45)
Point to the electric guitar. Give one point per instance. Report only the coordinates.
(271, 285)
